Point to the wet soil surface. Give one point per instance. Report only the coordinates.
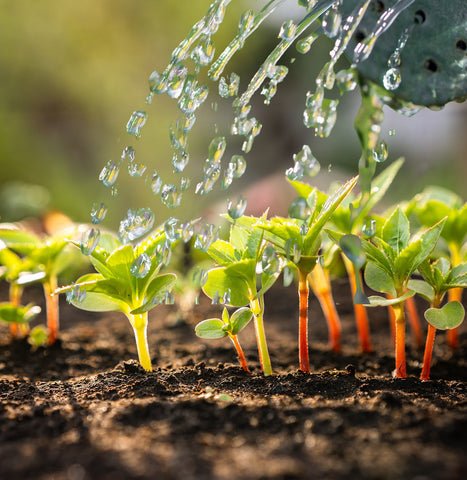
(84, 409)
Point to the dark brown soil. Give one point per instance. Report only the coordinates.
(84, 409)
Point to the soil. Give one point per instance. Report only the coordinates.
(84, 409)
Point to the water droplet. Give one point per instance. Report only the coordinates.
(299, 208)
(380, 153)
(128, 154)
(230, 89)
(392, 79)
(270, 262)
(187, 231)
(253, 133)
(309, 163)
(304, 228)
(98, 212)
(76, 294)
(346, 81)
(114, 191)
(292, 251)
(180, 160)
(170, 195)
(227, 297)
(171, 229)
(156, 183)
(141, 266)
(236, 210)
(287, 31)
(109, 174)
(331, 22)
(295, 173)
(136, 169)
(216, 299)
(326, 76)
(89, 240)
(169, 298)
(245, 23)
(369, 227)
(176, 80)
(288, 276)
(178, 135)
(217, 148)
(184, 184)
(392, 132)
(164, 253)
(136, 123)
(136, 224)
(207, 236)
(308, 4)
(203, 53)
(304, 45)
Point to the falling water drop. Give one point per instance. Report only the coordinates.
(89, 240)
(136, 123)
(128, 154)
(136, 169)
(170, 196)
(136, 224)
(299, 208)
(207, 236)
(203, 53)
(217, 148)
(369, 227)
(180, 160)
(141, 266)
(392, 132)
(287, 30)
(76, 294)
(288, 276)
(392, 79)
(109, 174)
(295, 173)
(169, 298)
(230, 89)
(331, 22)
(184, 184)
(236, 210)
(345, 80)
(380, 153)
(187, 231)
(270, 262)
(303, 46)
(309, 163)
(171, 229)
(227, 297)
(156, 183)
(98, 212)
(216, 299)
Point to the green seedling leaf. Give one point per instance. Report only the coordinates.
(20, 241)
(239, 319)
(447, 317)
(396, 230)
(38, 336)
(211, 328)
(376, 301)
(378, 257)
(423, 289)
(377, 279)
(18, 314)
(223, 279)
(157, 289)
(222, 252)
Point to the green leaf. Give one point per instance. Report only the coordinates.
(101, 302)
(222, 252)
(239, 319)
(210, 328)
(18, 314)
(219, 281)
(351, 246)
(20, 241)
(377, 279)
(376, 256)
(447, 317)
(422, 288)
(376, 301)
(396, 230)
(156, 289)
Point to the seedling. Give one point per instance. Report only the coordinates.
(18, 314)
(227, 327)
(127, 281)
(299, 240)
(439, 278)
(392, 259)
(46, 258)
(236, 283)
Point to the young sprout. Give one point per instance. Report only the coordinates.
(46, 258)
(430, 206)
(127, 281)
(391, 260)
(227, 327)
(299, 240)
(439, 278)
(235, 281)
(18, 314)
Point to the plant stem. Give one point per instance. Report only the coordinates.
(303, 293)
(256, 305)
(321, 286)
(399, 314)
(51, 304)
(430, 340)
(361, 316)
(140, 325)
(15, 297)
(414, 320)
(454, 295)
(241, 355)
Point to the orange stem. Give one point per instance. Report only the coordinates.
(361, 316)
(51, 303)
(303, 322)
(401, 371)
(414, 320)
(241, 355)
(454, 295)
(430, 339)
(321, 286)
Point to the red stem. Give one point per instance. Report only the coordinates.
(303, 292)
(401, 371)
(430, 339)
(51, 303)
(321, 286)
(241, 355)
(414, 320)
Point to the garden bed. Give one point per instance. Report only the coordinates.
(84, 408)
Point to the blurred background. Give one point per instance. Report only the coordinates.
(71, 74)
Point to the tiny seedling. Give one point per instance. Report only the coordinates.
(298, 240)
(235, 281)
(391, 260)
(18, 314)
(127, 281)
(46, 258)
(227, 327)
(439, 278)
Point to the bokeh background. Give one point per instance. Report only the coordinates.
(71, 74)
